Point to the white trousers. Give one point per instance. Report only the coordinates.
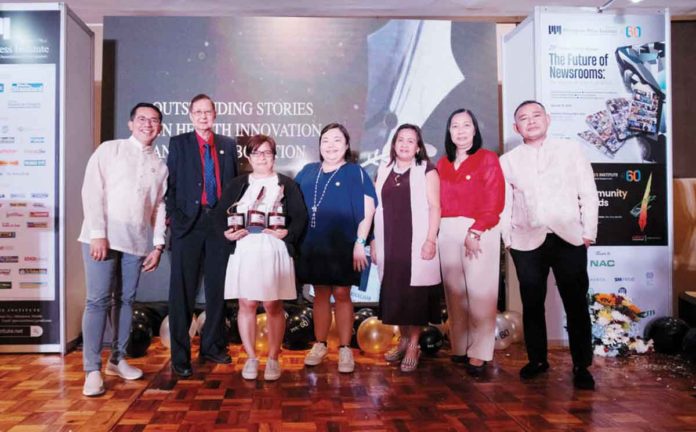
(471, 288)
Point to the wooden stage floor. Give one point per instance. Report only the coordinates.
(643, 393)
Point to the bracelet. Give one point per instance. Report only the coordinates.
(360, 240)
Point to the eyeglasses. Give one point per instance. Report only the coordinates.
(207, 113)
(153, 121)
(258, 154)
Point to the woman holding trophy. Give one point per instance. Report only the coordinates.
(341, 199)
(263, 216)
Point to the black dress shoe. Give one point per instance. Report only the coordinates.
(459, 359)
(220, 358)
(182, 371)
(582, 379)
(476, 371)
(532, 369)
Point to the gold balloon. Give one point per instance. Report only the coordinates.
(374, 337)
(261, 334)
(332, 339)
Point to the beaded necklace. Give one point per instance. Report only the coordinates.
(315, 203)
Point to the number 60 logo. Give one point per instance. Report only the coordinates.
(633, 175)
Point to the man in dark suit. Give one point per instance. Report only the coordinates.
(200, 164)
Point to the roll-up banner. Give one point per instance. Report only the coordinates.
(29, 128)
(605, 80)
(288, 77)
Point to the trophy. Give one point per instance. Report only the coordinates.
(276, 218)
(256, 219)
(235, 220)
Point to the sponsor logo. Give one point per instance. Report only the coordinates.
(625, 279)
(32, 285)
(39, 195)
(14, 214)
(5, 285)
(602, 263)
(34, 259)
(18, 204)
(8, 151)
(35, 162)
(24, 87)
(33, 271)
(7, 248)
(37, 140)
(6, 28)
(8, 234)
(7, 140)
(17, 196)
(633, 31)
(5, 272)
(10, 225)
(37, 224)
(39, 205)
(9, 163)
(555, 29)
(38, 214)
(8, 259)
(13, 104)
(2, 88)
(35, 151)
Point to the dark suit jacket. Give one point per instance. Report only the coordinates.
(185, 183)
(293, 208)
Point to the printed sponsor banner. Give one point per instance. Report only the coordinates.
(604, 82)
(29, 57)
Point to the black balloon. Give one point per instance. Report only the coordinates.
(689, 344)
(444, 314)
(667, 333)
(299, 332)
(366, 313)
(140, 339)
(358, 319)
(430, 340)
(308, 312)
(140, 315)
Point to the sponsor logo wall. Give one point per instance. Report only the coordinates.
(29, 57)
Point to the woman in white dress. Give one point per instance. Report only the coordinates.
(260, 268)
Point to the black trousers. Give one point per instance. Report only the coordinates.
(569, 265)
(200, 247)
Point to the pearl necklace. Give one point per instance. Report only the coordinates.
(316, 204)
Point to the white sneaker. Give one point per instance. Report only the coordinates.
(94, 385)
(251, 369)
(346, 364)
(124, 370)
(272, 371)
(316, 354)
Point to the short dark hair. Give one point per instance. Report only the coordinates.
(528, 102)
(257, 141)
(145, 105)
(450, 147)
(202, 96)
(421, 153)
(344, 131)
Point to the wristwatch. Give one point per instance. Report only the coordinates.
(474, 236)
(360, 240)
(159, 248)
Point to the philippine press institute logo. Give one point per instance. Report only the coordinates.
(633, 31)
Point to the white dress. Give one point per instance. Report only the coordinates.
(260, 268)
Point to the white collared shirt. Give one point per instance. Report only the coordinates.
(123, 197)
(548, 189)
